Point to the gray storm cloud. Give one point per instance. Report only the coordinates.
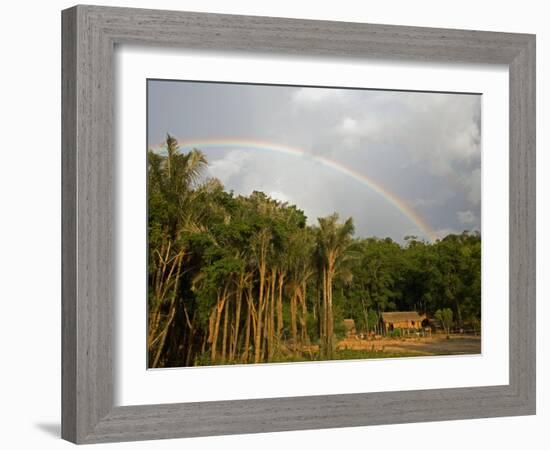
(423, 148)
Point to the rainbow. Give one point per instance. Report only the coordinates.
(365, 180)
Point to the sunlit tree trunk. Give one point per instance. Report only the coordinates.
(266, 320)
(253, 313)
(166, 276)
(280, 306)
(171, 311)
(258, 335)
(238, 301)
(247, 335)
(293, 325)
(303, 318)
(271, 346)
(224, 335)
(162, 336)
(330, 315)
(210, 335)
(323, 312)
(218, 310)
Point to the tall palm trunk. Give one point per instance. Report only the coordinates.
(303, 318)
(224, 336)
(238, 301)
(280, 306)
(218, 314)
(330, 315)
(247, 335)
(271, 335)
(330, 319)
(258, 336)
(293, 325)
(323, 312)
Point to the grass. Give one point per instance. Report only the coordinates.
(373, 354)
(339, 355)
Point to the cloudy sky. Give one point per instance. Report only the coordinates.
(399, 163)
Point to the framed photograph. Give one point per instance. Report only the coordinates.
(278, 224)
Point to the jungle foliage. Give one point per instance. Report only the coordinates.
(245, 279)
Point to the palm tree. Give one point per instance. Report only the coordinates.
(333, 243)
(172, 209)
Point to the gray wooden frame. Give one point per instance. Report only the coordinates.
(89, 36)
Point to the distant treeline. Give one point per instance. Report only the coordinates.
(234, 279)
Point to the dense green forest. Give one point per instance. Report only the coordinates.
(235, 279)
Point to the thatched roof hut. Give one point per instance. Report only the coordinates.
(402, 319)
